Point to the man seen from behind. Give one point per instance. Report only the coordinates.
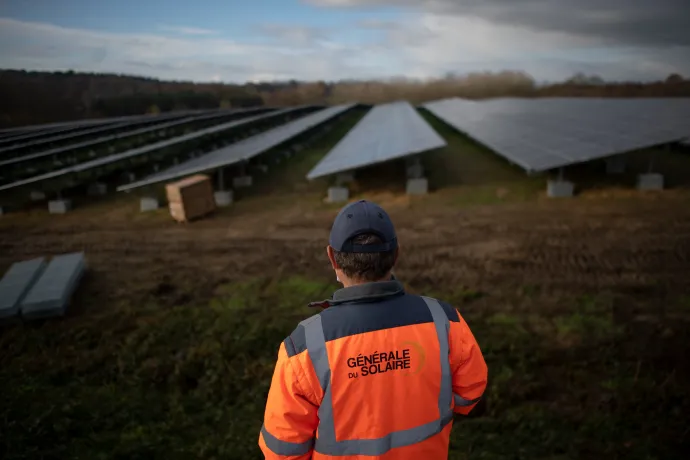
(379, 373)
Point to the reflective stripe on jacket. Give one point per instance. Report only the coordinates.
(378, 375)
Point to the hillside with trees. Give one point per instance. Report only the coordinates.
(43, 97)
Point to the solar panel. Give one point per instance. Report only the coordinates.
(243, 150)
(543, 134)
(6, 138)
(51, 293)
(16, 283)
(93, 122)
(386, 132)
(143, 150)
(99, 129)
(45, 127)
(117, 137)
(15, 138)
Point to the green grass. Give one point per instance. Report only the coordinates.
(146, 382)
(185, 382)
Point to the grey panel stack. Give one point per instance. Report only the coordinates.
(245, 149)
(16, 283)
(51, 294)
(543, 134)
(387, 132)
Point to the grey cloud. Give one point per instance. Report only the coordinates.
(654, 23)
(301, 35)
(188, 30)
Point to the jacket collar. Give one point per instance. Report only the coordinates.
(363, 293)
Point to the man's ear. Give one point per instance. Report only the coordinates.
(331, 257)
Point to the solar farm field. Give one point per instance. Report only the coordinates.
(581, 307)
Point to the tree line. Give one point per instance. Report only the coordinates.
(44, 97)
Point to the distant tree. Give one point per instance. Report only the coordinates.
(153, 110)
(225, 104)
(674, 78)
(582, 79)
(30, 97)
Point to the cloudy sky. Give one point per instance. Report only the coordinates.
(249, 40)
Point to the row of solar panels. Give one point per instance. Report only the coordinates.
(147, 149)
(386, 132)
(537, 134)
(544, 134)
(17, 148)
(162, 124)
(245, 149)
(36, 131)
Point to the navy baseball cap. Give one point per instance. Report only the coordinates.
(359, 218)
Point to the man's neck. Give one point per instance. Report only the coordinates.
(352, 283)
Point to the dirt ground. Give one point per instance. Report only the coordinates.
(636, 247)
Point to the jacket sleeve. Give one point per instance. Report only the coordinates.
(467, 366)
(290, 419)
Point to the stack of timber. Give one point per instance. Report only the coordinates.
(190, 198)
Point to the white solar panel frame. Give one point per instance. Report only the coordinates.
(386, 132)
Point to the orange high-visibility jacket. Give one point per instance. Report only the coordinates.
(377, 375)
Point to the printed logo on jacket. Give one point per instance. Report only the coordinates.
(408, 359)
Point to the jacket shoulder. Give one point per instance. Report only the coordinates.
(449, 310)
(296, 342)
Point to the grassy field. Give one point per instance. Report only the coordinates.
(581, 307)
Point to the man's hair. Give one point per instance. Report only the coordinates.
(365, 266)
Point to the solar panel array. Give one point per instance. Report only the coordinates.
(55, 127)
(33, 130)
(89, 132)
(101, 128)
(11, 139)
(143, 150)
(543, 134)
(386, 132)
(119, 136)
(245, 149)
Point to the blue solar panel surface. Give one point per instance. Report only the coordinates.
(386, 132)
(543, 134)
